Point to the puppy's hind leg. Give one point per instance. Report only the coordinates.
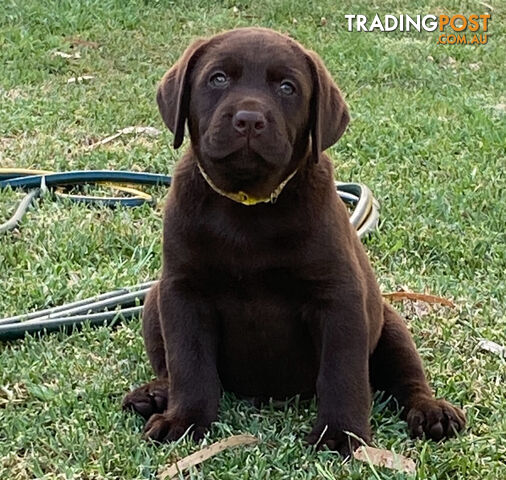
(396, 368)
(152, 397)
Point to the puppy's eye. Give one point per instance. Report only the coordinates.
(286, 88)
(219, 80)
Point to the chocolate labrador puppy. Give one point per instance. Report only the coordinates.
(266, 290)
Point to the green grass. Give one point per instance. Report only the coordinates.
(428, 136)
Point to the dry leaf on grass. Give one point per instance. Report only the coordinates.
(206, 453)
(66, 55)
(150, 131)
(421, 297)
(80, 79)
(385, 458)
(493, 347)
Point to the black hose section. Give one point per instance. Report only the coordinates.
(371, 221)
(25, 181)
(80, 177)
(13, 331)
(363, 206)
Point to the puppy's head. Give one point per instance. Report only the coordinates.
(257, 104)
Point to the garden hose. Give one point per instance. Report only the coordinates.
(20, 211)
(123, 296)
(108, 308)
(8, 174)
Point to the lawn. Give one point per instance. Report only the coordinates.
(427, 136)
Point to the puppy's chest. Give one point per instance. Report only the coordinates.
(258, 263)
(264, 234)
(257, 292)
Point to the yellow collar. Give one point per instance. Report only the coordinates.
(243, 197)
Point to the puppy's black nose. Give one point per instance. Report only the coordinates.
(247, 122)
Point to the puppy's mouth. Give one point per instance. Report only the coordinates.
(219, 149)
(241, 169)
(244, 174)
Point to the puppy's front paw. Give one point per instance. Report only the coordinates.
(333, 436)
(164, 427)
(148, 399)
(436, 419)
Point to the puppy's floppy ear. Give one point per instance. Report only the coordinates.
(173, 94)
(328, 111)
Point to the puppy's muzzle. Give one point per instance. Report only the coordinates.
(249, 123)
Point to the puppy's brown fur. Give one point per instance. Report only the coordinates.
(274, 299)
